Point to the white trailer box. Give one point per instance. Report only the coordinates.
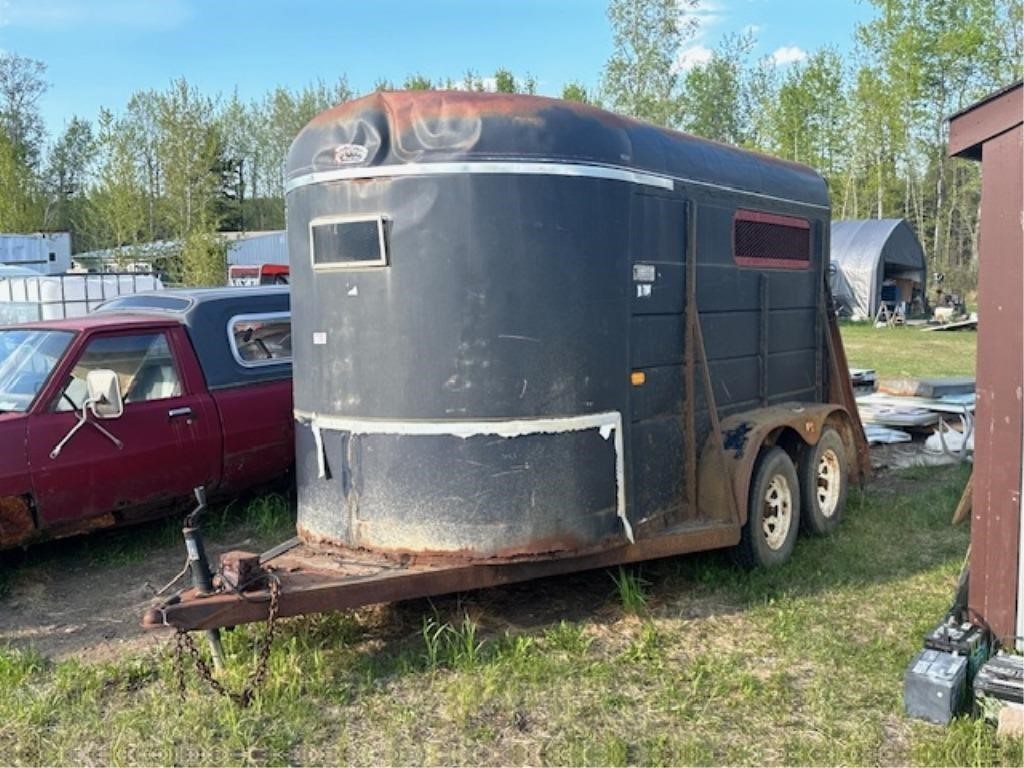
(54, 297)
(48, 253)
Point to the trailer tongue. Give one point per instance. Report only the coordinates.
(319, 579)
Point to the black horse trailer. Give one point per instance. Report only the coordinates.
(533, 337)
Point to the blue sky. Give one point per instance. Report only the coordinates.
(99, 51)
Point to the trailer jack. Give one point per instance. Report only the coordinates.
(199, 567)
(236, 574)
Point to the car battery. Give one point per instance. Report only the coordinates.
(934, 686)
(964, 639)
(1001, 678)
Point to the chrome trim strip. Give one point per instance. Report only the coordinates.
(490, 167)
(524, 168)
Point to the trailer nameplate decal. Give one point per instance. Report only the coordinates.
(347, 154)
(644, 273)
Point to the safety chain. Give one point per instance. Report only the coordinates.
(184, 643)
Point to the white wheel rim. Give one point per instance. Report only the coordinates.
(777, 512)
(828, 483)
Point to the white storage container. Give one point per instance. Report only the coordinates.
(54, 297)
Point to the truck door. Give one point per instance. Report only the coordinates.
(169, 433)
(656, 355)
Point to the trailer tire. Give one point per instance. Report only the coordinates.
(773, 512)
(824, 477)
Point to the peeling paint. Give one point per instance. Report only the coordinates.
(609, 425)
(736, 439)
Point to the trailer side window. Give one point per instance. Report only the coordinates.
(770, 240)
(261, 339)
(345, 242)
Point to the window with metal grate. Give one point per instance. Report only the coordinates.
(768, 240)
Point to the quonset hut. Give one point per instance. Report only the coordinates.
(875, 260)
(518, 323)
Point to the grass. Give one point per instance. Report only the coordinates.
(631, 589)
(908, 351)
(695, 662)
(801, 665)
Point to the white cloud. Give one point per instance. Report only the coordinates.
(693, 56)
(708, 12)
(706, 16)
(788, 54)
(160, 14)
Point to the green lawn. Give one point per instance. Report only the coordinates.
(683, 661)
(710, 664)
(905, 351)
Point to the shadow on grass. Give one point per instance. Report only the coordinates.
(897, 528)
(86, 594)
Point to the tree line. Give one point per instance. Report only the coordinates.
(178, 164)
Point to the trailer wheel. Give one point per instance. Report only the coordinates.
(823, 482)
(773, 512)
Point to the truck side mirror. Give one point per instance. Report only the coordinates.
(105, 400)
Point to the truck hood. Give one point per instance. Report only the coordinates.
(14, 474)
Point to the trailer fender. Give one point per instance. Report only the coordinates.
(792, 427)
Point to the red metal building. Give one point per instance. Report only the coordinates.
(990, 131)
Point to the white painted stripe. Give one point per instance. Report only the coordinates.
(482, 167)
(581, 170)
(609, 423)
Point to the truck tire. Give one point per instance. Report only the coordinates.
(824, 478)
(773, 512)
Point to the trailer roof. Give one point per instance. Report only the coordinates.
(424, 127)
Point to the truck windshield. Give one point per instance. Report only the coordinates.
(27, 357)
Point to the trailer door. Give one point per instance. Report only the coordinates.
(656, 356)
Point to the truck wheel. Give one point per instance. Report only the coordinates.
(823, 481)
(773, 512)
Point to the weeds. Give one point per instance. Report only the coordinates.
(631, 588)
(270, 514)
(568, 637)
(645, 648)
(454, 647)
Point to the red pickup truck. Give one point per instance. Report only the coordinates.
(116, 417)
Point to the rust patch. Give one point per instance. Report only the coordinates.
(76, 527)
(456, 105)
(241, 570)
(16, 522)
(415, 111)
(540, 549)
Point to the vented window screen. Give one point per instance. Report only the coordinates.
(770, 240)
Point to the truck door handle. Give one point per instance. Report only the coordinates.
(176, 412)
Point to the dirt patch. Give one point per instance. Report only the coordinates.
(70, 604)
